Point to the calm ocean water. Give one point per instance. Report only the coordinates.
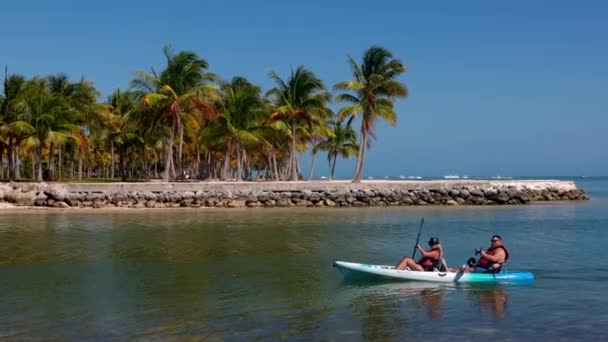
(266, 274)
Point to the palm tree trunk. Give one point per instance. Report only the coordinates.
(33, 166)
(360, 157)
(39, 154)
(169, 155)
(112, 159)
(2, 161)
(333, 167)
(123, 166)
(80, 164)
(293, 157)
(17, 163)
(312, 166)
(239, 165)
(226, 169)
(51, 162)
(60, 162)
(275, 169)
(180, 166)
(11, 159)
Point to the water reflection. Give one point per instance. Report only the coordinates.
(390, 309)
(491, 299)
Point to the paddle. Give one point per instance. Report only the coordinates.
(418, 238)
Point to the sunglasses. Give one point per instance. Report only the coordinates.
(494, 240)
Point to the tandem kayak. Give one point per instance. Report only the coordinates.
(442, 277)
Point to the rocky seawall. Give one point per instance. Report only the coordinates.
(286, 194)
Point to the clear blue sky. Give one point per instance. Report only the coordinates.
(496, 88)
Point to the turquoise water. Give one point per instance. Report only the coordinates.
(266, 273)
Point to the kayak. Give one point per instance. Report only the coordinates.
(442, 277)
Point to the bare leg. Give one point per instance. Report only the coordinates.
(408, 262)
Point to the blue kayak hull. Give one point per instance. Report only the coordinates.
(442, 277)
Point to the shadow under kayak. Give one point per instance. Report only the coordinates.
(442, 277)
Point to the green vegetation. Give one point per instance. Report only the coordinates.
(187, 122)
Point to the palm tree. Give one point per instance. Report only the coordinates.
(180, 92)
(13, 129)
(370, 94)
(84, 110)
(241, 114)
(301, 99)
(47, 116)
(119, 117)
(343, 142)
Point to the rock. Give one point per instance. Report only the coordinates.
(255, 204)
(441, 191)
(476, 192)
(187, 202)
(139, 205)
(454, 193)
(200, 196)
(86, 204)
(502, 197)
(329, 202)
(451, 202)
(314, 197)
(175, 198)
(407, 201)
(464, 193)
(237, 203)
(270, 203)
(490, 193)
(359, 204)
(60, 204)
(24, 198)
(305, 203)
(58, 194)
(263, 197)
(284, 202)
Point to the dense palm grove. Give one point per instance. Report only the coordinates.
(184, 122)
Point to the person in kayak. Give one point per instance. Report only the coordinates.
(430, 260)
(491, 260)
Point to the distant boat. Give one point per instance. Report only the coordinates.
(417, 177)
(370, 177)
(385, 177)
(465, 177)
(401, 177)
(323, 177)
(451, 177)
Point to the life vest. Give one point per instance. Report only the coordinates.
(483, 262)
(427, 262)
